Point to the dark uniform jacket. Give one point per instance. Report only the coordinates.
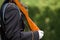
(13, 26)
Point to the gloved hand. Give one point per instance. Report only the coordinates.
(41, 34)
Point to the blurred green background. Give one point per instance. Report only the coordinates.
(46, 14)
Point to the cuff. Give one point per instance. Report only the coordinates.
(35, 35)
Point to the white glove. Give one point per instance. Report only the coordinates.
(41, 34)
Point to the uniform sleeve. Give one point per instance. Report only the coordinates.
(14, 28)
(29, 35)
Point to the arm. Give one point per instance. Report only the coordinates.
(13, 26)
(29, 35)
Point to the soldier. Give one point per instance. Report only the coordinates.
(13, 25)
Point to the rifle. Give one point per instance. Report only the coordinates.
(32, 25)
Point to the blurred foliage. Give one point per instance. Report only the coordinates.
(46, 14)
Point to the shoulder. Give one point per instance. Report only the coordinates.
(10, 6)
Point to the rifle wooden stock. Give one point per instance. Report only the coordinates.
(32, 25)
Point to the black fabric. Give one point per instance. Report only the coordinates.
(0, 21)
(0, 16)
(13, 26)
(12, 23)
(36, 37)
